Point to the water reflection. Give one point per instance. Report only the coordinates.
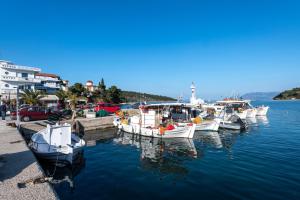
(251, 121)
(209, 138)
(65, 175)
(263, 120)
(164, 155)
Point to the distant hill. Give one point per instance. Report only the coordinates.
(289, 94)
(136, 97)
(260, 96)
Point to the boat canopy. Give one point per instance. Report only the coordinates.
(233, 101)
(163, 105)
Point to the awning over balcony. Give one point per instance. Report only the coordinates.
(49, 98)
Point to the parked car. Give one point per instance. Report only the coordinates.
(32, 113)
(88, 106)
(110, 108)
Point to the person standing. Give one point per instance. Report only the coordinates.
(3, 111)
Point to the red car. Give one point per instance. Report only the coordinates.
(110, 108)
(31, 113)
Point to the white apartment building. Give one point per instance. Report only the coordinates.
(50, 83)
(12, 76)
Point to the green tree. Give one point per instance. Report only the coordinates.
(114, 95)
(102, 86)
(78, 89)
(102, 92)
(32, 97)
(62, 96)
(73, 99)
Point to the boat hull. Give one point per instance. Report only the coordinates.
(251, 113)
(208, 126)
(59, 158)
(230, 126)
(242, 115)
(179, 132)
(262, 111)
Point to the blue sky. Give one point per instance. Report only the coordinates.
(158, 46)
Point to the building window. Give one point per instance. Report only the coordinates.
(6, 73)
(24, 75)
(6, 85)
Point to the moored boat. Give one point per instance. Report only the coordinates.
(234, 122)
(159, 120)
(57, 144)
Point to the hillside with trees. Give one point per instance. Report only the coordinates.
(289, 94)
(112, 94)
(130, 96)
(260, 96)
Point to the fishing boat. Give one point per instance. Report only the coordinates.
(57, 144)
(158, 120)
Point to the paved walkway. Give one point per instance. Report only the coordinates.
(17, 165)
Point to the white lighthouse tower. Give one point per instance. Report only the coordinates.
(194, 100)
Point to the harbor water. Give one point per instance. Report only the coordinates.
(261, 163)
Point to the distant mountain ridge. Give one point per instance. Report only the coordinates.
(131, 96)
(260, 96)
(288, 94)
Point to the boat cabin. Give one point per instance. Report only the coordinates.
(154, 115)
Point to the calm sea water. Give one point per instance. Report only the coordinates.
(262, 163)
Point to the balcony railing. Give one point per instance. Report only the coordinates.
(9, 91)
(20, 67)
(20, 79)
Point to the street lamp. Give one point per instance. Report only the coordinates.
(17, 106)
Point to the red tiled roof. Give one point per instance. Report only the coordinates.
(47, 75)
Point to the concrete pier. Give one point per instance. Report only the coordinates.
(18, 165)
(79, 125)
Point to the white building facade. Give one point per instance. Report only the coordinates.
(49, 83)
(12, 76)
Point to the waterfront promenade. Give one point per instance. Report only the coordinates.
(18, 165)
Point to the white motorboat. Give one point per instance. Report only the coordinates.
(239, 107)
(232, 122)
(57, 144)
(262, 110)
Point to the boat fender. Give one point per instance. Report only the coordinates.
(162, 130)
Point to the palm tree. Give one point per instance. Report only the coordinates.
(62, 95)
(73, 99)
(32, 97)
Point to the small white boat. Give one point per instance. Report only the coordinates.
(57, 144)
(262, 110)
